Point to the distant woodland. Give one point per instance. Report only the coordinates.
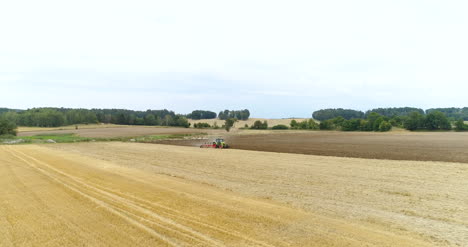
(55, 117)
(379, 119)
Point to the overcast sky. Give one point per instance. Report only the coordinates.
(276, 58)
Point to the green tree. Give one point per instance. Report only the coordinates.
(280, 127)
(167, 120)
(437, 120)
(460, 125)
(229, 123)
(259, 125)
(140, 121)
(385, 126)
(150, 119)
(395, 111)
(201, 125)
(181, 121)
(327, 114)
(351, 125)
(200, 114)
(7, 127)
(326, 125)
(293, 124)
(376, 125)
(414, 121)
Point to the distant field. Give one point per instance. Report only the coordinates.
(70, 127)
(120, 131)
(250, 121)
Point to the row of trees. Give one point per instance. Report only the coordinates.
(201, 125)
(377, 122)
(259, 125)
(240, 115)
(306, 124)
(395, 111)
(7, 127)
(200, 114)
(460, 125)
(54, 117)
(3, 110)
(435, 120)
(327, 114)
(452, 113)
(373, 122)
(348, 114)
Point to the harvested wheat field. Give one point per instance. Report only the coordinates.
(249, 122)
(121, 194)
(70, 195)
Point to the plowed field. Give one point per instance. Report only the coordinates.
(418, 146)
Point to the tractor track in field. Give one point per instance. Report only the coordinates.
(66, 195)
(136, 212)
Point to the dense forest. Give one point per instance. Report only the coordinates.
(326, 114)
(54, 117)
(240, 115)
(395, 111)
(200, 114)
(3, 110)
(379, 119)
(434, 120)
(383, 119)
(452, 113)
(390, 112)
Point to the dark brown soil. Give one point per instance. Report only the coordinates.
(424, 146)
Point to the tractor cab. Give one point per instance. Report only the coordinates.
(217, 143)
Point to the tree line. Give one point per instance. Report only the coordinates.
(7, 127)
(452, 112)
(55, 117)
(415, 120)
(201, 114)
(374, 121)
(326, 114)
(239, 115)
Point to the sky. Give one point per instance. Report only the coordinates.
(278, 59)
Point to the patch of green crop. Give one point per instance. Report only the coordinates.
(59, 138)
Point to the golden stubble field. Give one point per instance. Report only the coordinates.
(249, 122)
(122, 194)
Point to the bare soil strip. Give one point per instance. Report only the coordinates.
(53, 197)
(418, 146)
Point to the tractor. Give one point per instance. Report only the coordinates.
(218, 143)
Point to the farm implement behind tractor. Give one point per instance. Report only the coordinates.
(218, 143)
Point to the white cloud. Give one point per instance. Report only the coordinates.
(268, 56)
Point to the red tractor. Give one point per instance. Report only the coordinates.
(218, 143)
